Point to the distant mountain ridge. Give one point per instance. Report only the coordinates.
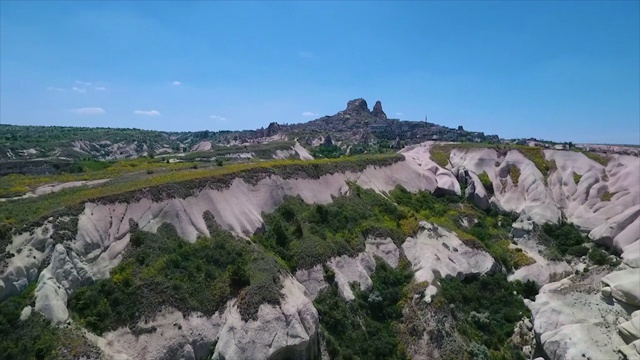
(354, 125)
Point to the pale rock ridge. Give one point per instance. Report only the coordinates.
(438, 253)
(64, 273)
(625, 286)
(353, 269)
(385, 249)
(312, 279)
(475, 190)
(29, 250)
(572, 319)
(543, 271)
(348, 270)
(630, 331)
(614, 222)
(287, 331)
(103, 229)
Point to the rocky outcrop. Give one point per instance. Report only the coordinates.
(574, 319)
(543, 270)
(475, 191)
(625, 286)
(28, 251)
(65, 273)
(287, 331)
(377, 111)
(347, 270)
(540, 200)
(103, 230)
(272, 129)
(357, 107)
(438, 253)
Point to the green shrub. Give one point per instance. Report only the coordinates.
(576, 177)
(578, 251)
(599, 158)
(364, 328)
(327, 151)
(305, 235)
(600, 257)
(514, 174)
(564, 239)
(440, 155)
(487, 295)
(486, 182)
(163, 270)
(607, 196)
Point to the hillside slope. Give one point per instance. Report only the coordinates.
(601, 200)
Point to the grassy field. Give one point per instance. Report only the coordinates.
(18, 184)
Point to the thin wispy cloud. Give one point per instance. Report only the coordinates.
(305, 54)
(176, 83)
(100, 88)
(51, 88)
(309, 113)
(399, 113)
(147, 112)
(83, 83)
(80, 90)
(89, 111)
(217, 117)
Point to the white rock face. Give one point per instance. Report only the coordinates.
(312, 280)
(625, 286)
(29, 249)
(302, 152)
(573, 320)
(630, 331)
(288, 331)
(64, 273)
(438, 253)
(385, 249)
(543, 271)
(172, 332)
(349, 270)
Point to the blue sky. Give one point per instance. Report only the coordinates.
(554, 70)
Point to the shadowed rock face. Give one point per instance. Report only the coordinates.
(378, 112)
(357, 107)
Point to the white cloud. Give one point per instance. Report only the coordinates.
(305, 54)
(51, 88)
(80, 90)
(83, 83)
(147, 112)
(217, 117)
(177, 83)
(89, 111)
(399, 114)
(100, 88)
(309, 113)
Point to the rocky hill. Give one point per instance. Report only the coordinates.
(438, 251)
(354, 125)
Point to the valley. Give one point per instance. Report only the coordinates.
(333, 239)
